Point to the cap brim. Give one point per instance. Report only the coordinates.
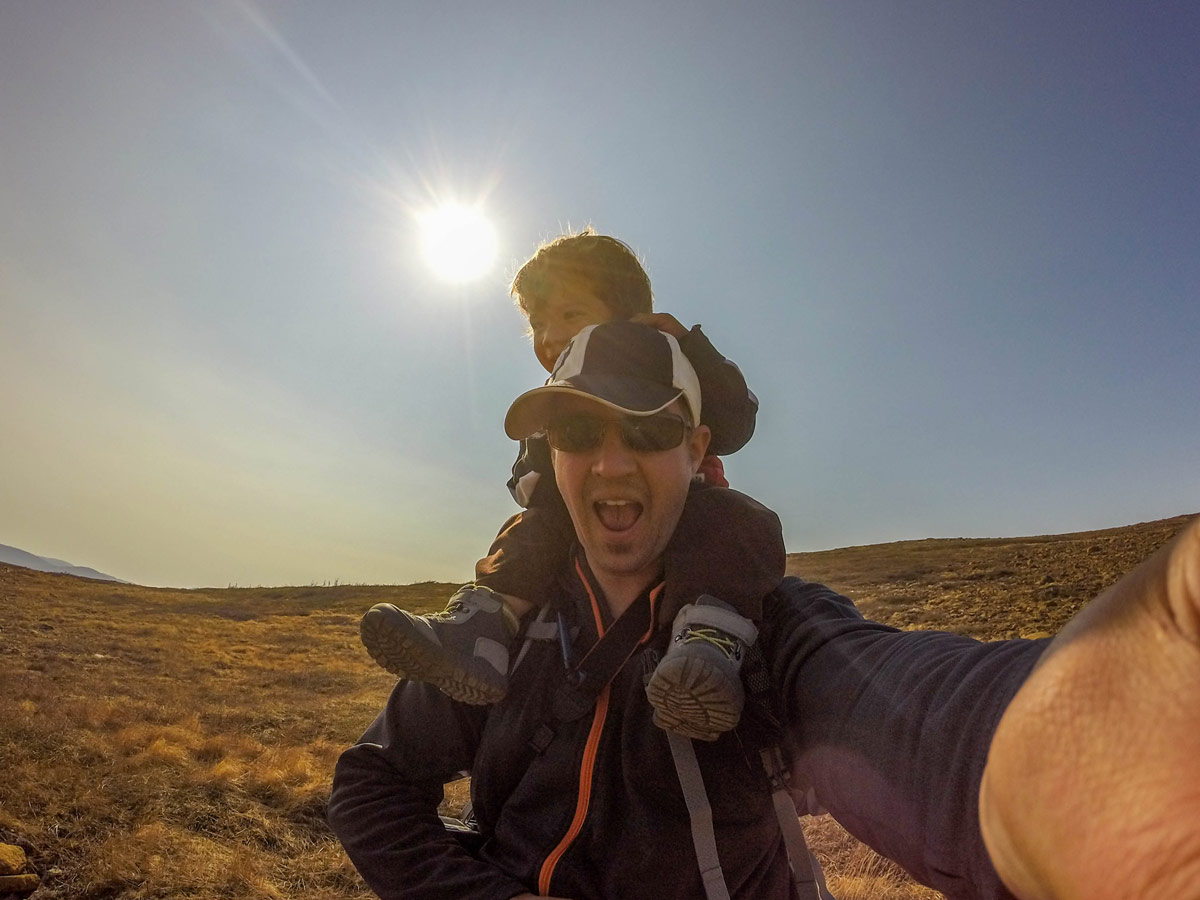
(531, 411)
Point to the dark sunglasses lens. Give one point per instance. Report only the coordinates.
(652, 434)
(575, 434)
(642, 434)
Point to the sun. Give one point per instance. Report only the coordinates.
(458, 242)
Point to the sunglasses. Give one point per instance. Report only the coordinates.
(580, 432)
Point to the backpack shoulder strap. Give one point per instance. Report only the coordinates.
(700, 813)
(808, 882)
(583, 681)
(762, 732)
(807, 877)
(586, 679)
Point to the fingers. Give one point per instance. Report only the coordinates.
(663, 322)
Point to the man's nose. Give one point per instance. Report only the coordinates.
(613, 459)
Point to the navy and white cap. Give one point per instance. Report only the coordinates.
(631, 368)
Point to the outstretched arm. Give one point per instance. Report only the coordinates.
(1092, 787)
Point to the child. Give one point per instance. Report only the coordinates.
(725, 556)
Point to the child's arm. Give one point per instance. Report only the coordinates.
(532, 481)
(728, 406)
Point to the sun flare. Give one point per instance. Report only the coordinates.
(458, 242)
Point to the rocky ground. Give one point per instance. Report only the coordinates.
(989, 588)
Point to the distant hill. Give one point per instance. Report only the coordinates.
(988, 588)
(15, 557)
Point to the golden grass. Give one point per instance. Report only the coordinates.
(854, 871)
(180, 744)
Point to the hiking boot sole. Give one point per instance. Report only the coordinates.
(694, 698)
(409, 656)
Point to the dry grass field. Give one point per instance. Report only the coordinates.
(179, 744)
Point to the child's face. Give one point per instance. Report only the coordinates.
(565, 312)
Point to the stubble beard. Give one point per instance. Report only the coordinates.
(618, 549)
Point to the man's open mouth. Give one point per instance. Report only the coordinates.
(618, 515)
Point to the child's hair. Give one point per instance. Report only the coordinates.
(604, 264)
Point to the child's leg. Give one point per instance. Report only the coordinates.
(726, 554)
(464, 650)
(528, 556)
(727, 545)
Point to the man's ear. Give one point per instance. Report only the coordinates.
(698, 445)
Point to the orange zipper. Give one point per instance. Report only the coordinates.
(589, 751)
(585, 793)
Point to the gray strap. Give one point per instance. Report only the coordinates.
(700, 813)
(793, 838)
(806, 871)
(807, 878)
(538, 630)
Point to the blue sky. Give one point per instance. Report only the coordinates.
(955, 248)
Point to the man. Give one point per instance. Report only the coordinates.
(576, 790)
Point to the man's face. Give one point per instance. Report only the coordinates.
(566, 311)
(625, 504)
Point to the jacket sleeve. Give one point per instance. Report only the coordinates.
(386, 790)
(532, 482)
(728, 406)
(891, 730)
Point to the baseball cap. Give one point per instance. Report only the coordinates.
(631, 368)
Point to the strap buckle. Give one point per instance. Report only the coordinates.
(776, 767)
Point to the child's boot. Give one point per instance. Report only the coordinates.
(462, 650)
(696, 690)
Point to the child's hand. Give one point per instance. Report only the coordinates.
(664, 322)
